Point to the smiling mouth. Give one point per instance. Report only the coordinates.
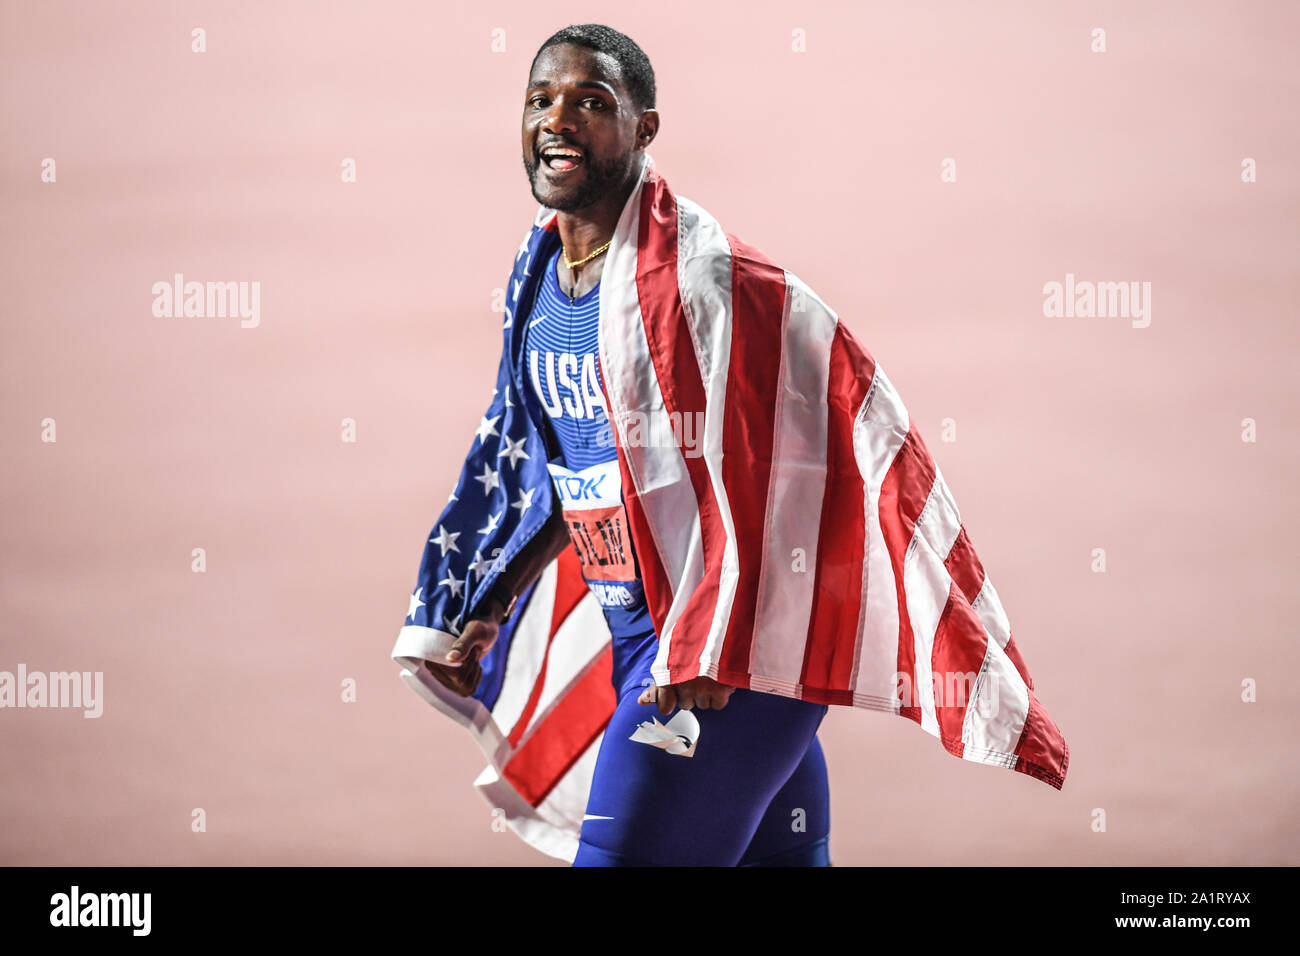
(560, 164)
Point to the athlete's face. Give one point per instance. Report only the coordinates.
(576, 98)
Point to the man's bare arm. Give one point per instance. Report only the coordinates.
(537, 554)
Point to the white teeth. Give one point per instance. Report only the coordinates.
(551, 158)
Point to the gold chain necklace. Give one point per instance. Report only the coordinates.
(573, 265)
(585, 259)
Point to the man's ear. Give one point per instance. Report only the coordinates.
(647, 127)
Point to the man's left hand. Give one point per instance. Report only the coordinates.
(702, 692)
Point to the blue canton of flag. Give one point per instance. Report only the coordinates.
(504, 494)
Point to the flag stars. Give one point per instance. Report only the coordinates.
(488, 426)
(416, 603)
(478, 565)
(493, 521)
(446, 540)
(525, 500)
(514, 450)
(489, 479)
(451, 627)
(451, 582)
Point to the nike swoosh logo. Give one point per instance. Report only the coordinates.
(592, 816)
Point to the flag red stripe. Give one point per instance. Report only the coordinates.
(749, 428)
(837, 584)
(1013, 652)
(964, 566)
(654, 577)
(569, 590)
(672, 352)
(1042, 749)
(565, 733)
(957, 655)
(903, 495)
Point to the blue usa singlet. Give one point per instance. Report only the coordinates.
(560, 349)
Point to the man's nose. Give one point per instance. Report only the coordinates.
(558, 117)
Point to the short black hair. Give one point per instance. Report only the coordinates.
(638, 74)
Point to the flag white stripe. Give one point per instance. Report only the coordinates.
(796, 488)
(580, 639)
(988, 605)
(1000, 703)
(553, 825)
(527, 651)
(927, 584)
(997, 710)
(704, 265)
(878, 435)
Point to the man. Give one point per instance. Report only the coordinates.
(732, 566)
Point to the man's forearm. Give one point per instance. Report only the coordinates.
(543, 548)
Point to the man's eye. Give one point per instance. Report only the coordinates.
(541, 101)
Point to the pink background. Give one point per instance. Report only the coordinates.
(222, 690)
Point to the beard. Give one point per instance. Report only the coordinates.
(598, 181)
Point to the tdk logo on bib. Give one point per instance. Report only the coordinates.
(577, 491)
(592, 487)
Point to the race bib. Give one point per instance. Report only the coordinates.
(592, 503)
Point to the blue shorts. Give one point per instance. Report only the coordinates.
(754, 793)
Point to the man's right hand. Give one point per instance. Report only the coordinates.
(481, 631)
(474, 642)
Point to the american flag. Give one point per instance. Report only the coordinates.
(794, 534)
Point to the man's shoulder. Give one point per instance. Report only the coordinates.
(712, 241)
(543, 223)
(720, 259)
